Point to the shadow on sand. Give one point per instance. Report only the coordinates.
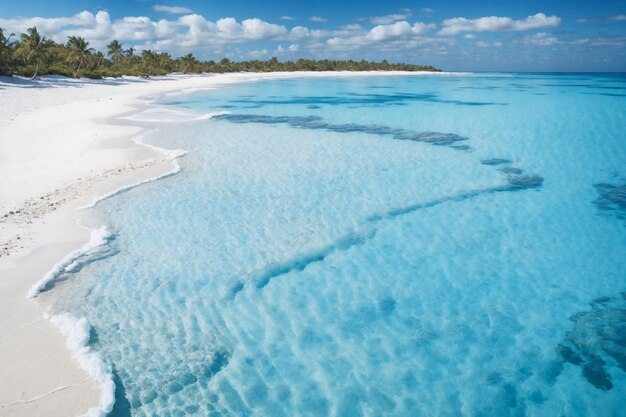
(57, 81)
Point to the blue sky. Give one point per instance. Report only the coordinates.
(485, 35)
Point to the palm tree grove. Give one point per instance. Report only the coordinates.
(32, 54)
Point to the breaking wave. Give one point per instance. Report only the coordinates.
(77, 333)
(99, 237)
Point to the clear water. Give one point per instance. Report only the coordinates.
(349, 264)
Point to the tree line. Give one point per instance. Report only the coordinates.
(32, 54)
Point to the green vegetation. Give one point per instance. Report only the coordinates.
(33, 54)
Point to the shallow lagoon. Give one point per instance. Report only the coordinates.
(422, 245)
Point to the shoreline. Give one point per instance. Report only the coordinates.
(61, 151)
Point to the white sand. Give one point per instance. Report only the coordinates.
(58, 151)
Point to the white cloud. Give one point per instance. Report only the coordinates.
(280, 50)
(483, 44)
(258, 29)
(384, 32)
(299, 32)
(540, 39)
(135, 29)
(171, 9)
(49, 26)
(619, 17)
(185, 32)
(290, 49)
(286, 17)
(385, 20)
(458, 25)
(381, 33)
(193, 32)
(548, 39)
(95, 28)
(318, 19)
(427, 10)
(350, 27)
(302, 32)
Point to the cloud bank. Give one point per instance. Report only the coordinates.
(187, 31)
(390, 36)
(458, 25)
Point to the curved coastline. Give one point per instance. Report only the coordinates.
(64, 217)
(77, 330)
(172, 155)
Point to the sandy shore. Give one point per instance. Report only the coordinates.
(58, 151)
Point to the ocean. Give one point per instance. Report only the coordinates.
(428, 245)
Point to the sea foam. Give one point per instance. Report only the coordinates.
(77, 333)
(125, 188)
(167, 115)
(188, 91)
(157, 114)
(99, 237)
(171, 154)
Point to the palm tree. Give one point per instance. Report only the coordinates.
(32, 47)
(164, 62)
(5, 50)
(115, 51)
(79, 51)
(188, 61)
(130, 55)
(149, 61)
(97, 60)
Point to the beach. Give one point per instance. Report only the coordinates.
(60, 147)
(293, 209)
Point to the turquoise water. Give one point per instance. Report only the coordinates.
(380, 246)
